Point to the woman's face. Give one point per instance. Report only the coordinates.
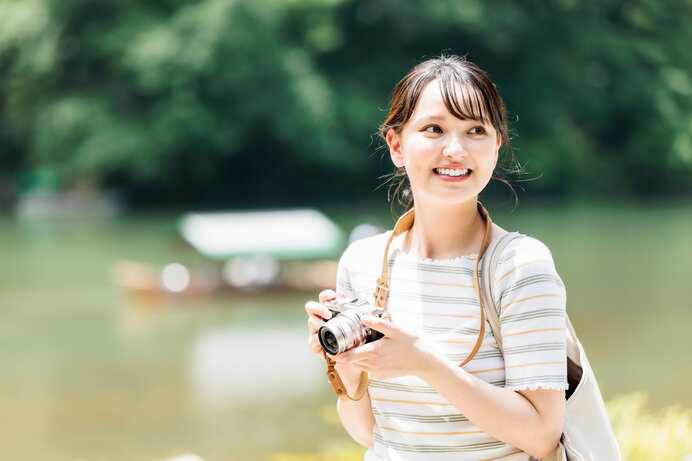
(446, 159)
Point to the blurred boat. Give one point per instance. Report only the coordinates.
(243, 251)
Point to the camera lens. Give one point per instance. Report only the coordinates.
(329, 342)
(342, 333)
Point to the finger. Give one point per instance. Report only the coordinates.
(385, 327)
(363, 366)
(353, 368)
(318, 310)
(356, 354)
(360, 362)
(314, 344)
(327, 295)
(314, 324)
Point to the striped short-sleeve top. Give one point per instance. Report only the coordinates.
(436, 298)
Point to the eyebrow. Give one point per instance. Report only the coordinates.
(441, 118)
(431, 117)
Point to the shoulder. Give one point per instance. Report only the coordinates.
(525, 279)
(524, 249)
(525, 259)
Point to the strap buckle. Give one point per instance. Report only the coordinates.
(381, 293)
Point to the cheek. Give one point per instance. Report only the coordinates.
(486, 143)
(417, 147)
(485, 150)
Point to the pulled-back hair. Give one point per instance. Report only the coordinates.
(468, 94)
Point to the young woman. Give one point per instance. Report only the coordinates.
(444, 129)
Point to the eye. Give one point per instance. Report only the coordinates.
(432, 129)
(478, 130)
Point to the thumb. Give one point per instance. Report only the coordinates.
(385, 327)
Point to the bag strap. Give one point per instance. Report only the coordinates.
(488, 268)
(403, 224)
(490, 263)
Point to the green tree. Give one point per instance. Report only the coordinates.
(273, 101)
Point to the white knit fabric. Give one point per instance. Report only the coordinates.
(437, 300)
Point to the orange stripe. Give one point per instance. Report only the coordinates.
(527, 299)
(519, 366)
(430, 433)
(466, 342)
(500, 457)
(409, 401)
(520, 265)
(534, 331)
(485, 371)
(537, 363)
(453, 315)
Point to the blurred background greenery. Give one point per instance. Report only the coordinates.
(115, 117)
(188, 102)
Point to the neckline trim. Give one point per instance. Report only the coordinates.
(397, 251)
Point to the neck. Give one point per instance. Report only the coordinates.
(445, 232)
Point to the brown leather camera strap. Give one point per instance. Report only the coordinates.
(403, 224)
(338, 385)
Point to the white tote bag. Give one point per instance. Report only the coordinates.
(587, 433)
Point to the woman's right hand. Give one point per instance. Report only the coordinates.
(318, 314)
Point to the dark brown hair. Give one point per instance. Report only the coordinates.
(468, 94)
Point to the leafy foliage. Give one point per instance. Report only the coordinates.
(643, 435)
(271, 100)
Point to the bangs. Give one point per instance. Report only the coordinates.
(467, 93)
(463, 99)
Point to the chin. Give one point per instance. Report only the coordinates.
(451, 198)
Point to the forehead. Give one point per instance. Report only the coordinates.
(442, 99)
(430, 100)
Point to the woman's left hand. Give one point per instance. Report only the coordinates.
(399, 353)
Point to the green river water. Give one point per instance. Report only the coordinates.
(89, 374)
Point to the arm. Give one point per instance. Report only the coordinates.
(356, 416)
(529, 420)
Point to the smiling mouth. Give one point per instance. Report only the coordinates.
(452, 172)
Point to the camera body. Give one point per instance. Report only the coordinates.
(345, 330)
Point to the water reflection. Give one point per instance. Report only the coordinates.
(91, 374)
(259, 363)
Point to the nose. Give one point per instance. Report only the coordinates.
(454, 149)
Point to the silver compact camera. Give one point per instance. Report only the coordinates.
(344, 330)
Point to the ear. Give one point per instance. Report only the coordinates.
(497, 149)
(395, 148)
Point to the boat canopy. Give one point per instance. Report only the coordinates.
(300, 234)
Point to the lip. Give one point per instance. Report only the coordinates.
(453, 166)
(453, 178)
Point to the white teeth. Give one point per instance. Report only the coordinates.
(451, 172)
